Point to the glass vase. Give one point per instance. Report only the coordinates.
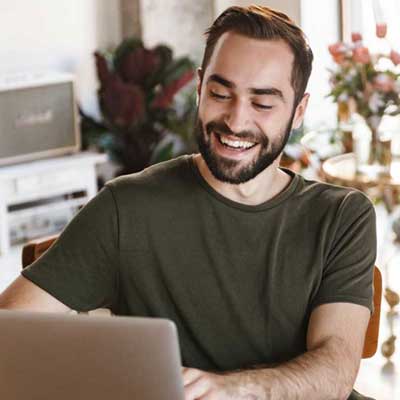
(373, 124)
(345, 128)
(379, 155)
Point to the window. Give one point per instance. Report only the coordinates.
(362, 15)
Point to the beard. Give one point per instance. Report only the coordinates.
(230, 170)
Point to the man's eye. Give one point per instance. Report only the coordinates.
(262, 106)
(218, 96)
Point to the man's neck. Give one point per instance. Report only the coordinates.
(262, 188)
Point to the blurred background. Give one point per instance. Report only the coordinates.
(93, 89)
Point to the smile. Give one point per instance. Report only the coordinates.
(235, 144)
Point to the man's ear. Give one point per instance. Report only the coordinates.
(199, 82)
(300, 111)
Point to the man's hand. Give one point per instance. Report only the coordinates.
(205, 386)
(327, 369)
(201, 385)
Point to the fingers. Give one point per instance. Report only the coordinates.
(196, 383)
(197, 388)
(190, 375)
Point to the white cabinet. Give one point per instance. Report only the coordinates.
(43, 188)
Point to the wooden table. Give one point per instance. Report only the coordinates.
(342, 170)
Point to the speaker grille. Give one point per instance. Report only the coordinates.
(37, 120)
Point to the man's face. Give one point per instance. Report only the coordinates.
(246, 110)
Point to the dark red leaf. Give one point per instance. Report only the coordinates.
(137, 65)
(122, 103)
(165, 97)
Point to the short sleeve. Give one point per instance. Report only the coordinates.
(81, 268)
(349, 267)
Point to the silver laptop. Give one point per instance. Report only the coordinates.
(64, 357)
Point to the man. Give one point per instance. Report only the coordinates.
(267, 275)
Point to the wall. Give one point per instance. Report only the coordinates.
(321, 32)
(178, 23)
(289, 7)
(58, 35)
(130, 18)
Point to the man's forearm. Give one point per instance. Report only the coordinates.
(324, 373)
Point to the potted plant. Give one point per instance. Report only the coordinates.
(137, 92)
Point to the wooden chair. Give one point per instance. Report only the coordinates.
(35, 248)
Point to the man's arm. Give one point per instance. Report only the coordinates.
(22, 294)
(328, 369)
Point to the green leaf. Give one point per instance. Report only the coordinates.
(164, 154)
(176, 69)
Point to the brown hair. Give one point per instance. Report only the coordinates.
(259, 22)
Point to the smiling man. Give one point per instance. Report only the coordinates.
(267, 275)
(237, 136)
(246, 113)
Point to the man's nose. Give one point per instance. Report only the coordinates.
(237, 116)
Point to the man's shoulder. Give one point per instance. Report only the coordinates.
(320, 192)
(153, 175)
(168, 178)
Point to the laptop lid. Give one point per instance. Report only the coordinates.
(47, 356)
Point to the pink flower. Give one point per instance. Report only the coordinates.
(339, 59)
(361, 55)
(356, 37)
(395, 57)
(383, 83)
(381, 30)
(338, 51)
(337, 48)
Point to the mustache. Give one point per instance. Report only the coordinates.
(221, 127)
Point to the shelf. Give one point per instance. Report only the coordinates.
(46, 208)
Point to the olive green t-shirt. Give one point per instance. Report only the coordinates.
(239, 281)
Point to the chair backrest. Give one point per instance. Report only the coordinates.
(372, 335)
(35, 248)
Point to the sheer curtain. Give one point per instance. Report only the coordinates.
(320, 22)
(362, 16)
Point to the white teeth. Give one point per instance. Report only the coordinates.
(236, 143)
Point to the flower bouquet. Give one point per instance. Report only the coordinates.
(368, 84)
